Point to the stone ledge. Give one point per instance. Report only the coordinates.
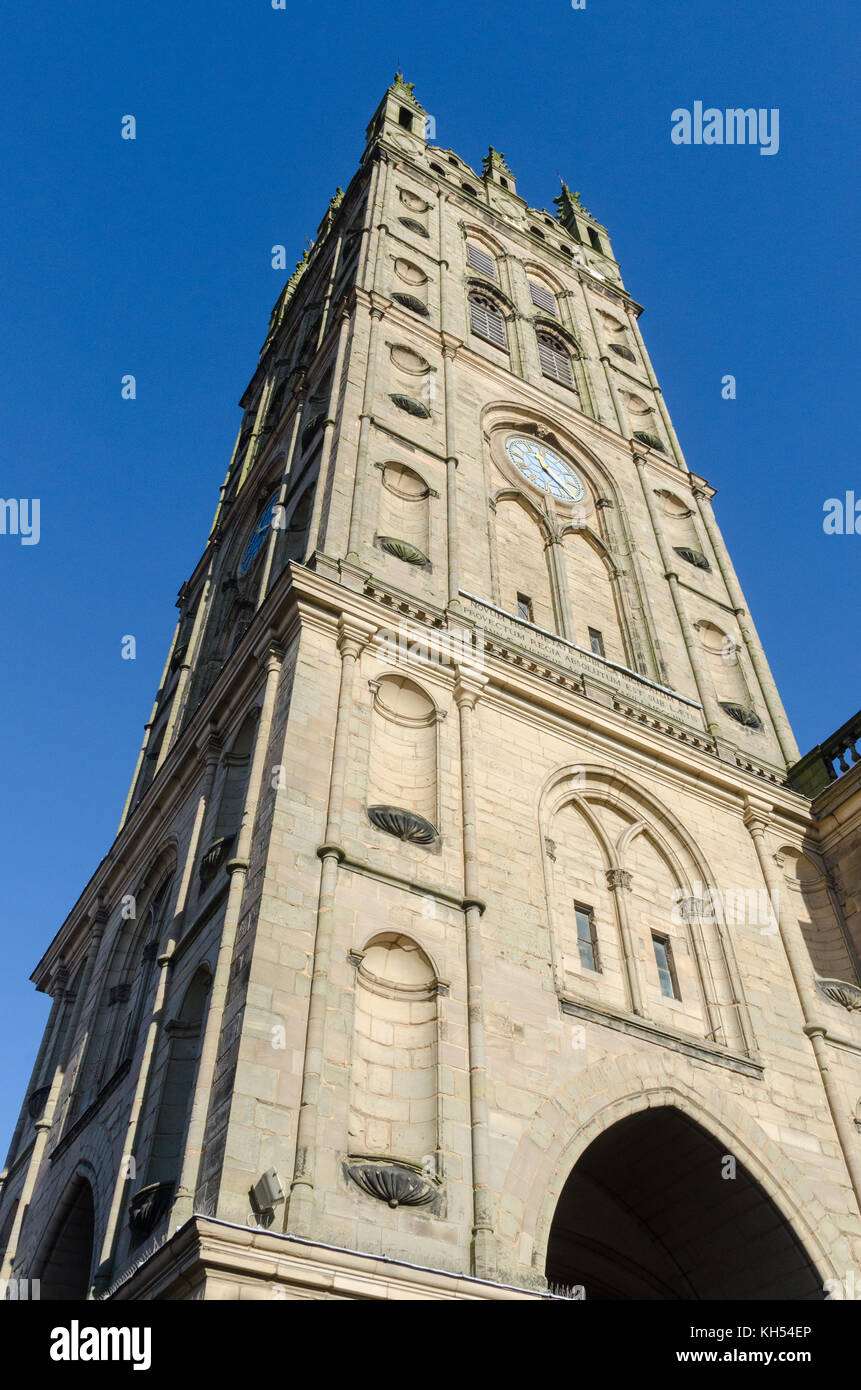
(287, 1267)
(637, 1027)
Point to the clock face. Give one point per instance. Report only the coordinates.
(544, 468)
(258, 536)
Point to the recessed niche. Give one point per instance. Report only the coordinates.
(409, 273)
(406, 360)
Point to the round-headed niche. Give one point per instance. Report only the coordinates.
(394, 1105)
(402, 777)
(404, 517)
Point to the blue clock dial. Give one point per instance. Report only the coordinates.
(258, 536)
(544, 468)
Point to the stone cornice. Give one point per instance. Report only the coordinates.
(255, 1256)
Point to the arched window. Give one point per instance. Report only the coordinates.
(150, 1203)
(486, 320)
(238, 763)
(479, 259)
(115, 1025)
(542, 297)
(555, 359)
(296, 530)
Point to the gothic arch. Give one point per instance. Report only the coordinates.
(473, 231)
(502, 414)
(715, 995)
(491, 289)
(515, 494)
(522, 533)
(632, 1085)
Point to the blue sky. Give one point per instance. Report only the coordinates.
(152, 257)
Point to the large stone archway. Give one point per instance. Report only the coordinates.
(568, 1121)
(655, 1209)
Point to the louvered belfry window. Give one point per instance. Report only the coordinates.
(485, 319)
(542, 297)
(481, 261)
(555, 360)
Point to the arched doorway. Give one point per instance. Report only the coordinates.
(64, 1261)
(647, 1214)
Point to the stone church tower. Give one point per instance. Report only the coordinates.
(464, 934)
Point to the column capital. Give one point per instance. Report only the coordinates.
(469, 687)
(353, 636)
(757, 817)
(618, 878)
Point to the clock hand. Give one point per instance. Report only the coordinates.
(560, 482)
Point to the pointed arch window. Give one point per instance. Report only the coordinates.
(555, 359)
(486, 320)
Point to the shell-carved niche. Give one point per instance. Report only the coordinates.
(404, 517)
(402, 776)
(394, 1100)
(723, 655)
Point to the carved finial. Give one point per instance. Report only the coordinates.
(495, 159)
(568, 203)
(401, 83)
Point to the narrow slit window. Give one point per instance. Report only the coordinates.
(587, 942)
(524, 608)
(595, 239)
(666, 967)
(596, 641)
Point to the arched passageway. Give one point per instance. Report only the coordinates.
(65, 1258)
(647, 1214)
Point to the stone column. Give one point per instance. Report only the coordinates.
(757, 821)
(653, 382)
(237, 868)
(554, 547)
(44, 1123)
(605, 364)
(314, 530)
(701, 675)
(352, 640)
(278, 513)
(376, 313)
(764, 678)
(619, 884)
(450, 347)
(47, 1049)
(466, 693)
